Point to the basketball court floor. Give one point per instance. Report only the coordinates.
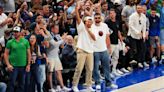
(140, 80)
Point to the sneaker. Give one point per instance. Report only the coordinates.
(124, 70)
(65, 89)
(154, 60)
(140, 65)
(116, 74)
(133, 62)
(162, 57)
(51, 90)
(90, 89)
(120, 72)
(130, 69)
(98, 87)
(75, 89)
(58, 88)
(145, 64)
(113, 86)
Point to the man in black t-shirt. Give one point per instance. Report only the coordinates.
(114, 25)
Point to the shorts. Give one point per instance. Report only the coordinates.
(153, 41)
(162, 37)
(54, 64)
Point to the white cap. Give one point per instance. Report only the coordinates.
(117, 2)
(17, 28)
(88, 18)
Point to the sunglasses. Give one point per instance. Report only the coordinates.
(97, 18)
(15, 31)
(140, 22)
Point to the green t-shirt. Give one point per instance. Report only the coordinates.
(18, 51)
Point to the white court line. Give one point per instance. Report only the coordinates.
(153, 85)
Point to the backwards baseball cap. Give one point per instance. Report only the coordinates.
(88, 18)
(17, 28)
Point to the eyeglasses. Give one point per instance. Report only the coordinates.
(140, 22)
(97, 18)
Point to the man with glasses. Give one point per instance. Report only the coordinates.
(102, 33)
(17, 57)
(136, 35)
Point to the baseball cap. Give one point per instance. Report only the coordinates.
(117, 2)
(17, 28)
(88, 18)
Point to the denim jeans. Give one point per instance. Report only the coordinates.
(104, 58)
(35, 77)
(21, 81)
(42, 75)
(3, 87)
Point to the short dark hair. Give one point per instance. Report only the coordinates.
(96, 14)
(112, 9)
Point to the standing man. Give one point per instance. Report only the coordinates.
(102, 33)
(137, 34)
(17, 52)
(3, 21)
(84, 50)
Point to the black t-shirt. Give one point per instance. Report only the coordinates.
(114, 26)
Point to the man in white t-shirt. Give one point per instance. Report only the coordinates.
(101, 45)
(84, 51)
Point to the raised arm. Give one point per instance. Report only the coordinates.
(77, 13)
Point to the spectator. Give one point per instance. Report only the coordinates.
(102, 32)
(84, 50)
(154, 32)
(17, 58)
(3, 21)
(162, 30)
(136, 35)
(54, 62)
(114, 25)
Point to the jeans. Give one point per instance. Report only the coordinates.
(13, 76)
(35, 77)
(42, 75)
(104, 58)
(3, 87)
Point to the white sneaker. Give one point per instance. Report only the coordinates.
(145, 64)
(162, 56)
(118, 71)
(58, 88)
(133, 62)
(154, 60)
(98, 87)
(90, 89)
(116, 74)
(75, 89)
(140, 65)
(65, 89)
(51, 90)
(113, 86)
(124, 70)
(130, 69)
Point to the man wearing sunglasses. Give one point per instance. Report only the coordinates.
(102, 33)
(137, 35)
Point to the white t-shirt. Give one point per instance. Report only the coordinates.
(84, 41)
(3, 17)
(2, 41)
(100, 43)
